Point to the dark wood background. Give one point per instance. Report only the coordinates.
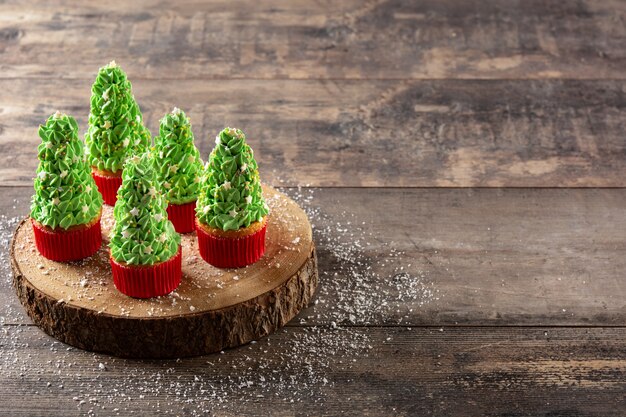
(478, 148)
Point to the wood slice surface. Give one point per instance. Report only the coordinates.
(211, 310)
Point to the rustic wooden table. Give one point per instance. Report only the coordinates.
(461, 162)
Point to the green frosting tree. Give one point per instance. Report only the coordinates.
(65, 193)
(116, 127)
(142, 234)
(178, 166)
(230, 193)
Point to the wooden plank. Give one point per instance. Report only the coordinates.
(456, 256)
(356, 133)
(375, 371)
(326, 39)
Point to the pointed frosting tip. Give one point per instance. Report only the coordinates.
(57, 115)
(175, 111)
(112, 64)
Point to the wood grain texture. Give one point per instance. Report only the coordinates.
(326, 39)
(377, 133)
(389, 371)
(376, 93)
(456, 256)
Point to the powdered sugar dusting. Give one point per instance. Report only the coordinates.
(300, 363)
(357, 288)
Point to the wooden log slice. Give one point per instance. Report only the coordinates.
(213, 308)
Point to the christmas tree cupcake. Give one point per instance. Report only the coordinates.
(66, 208)
(145, 248)
(230, 212)
(178, 169)
(115, 130)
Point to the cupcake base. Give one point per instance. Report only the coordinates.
(147, 281)
(108, 184)
(269, 294)
(75, 243)
(235, 250)
(183, 216)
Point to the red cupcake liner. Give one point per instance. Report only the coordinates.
(225, 252)
(146, 281)
(70, 245)
(107, 185)
(183, 216)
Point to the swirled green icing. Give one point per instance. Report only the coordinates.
(142, 234)
(116, 127)
(65, 193)
(178, 167)
(230, 192)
